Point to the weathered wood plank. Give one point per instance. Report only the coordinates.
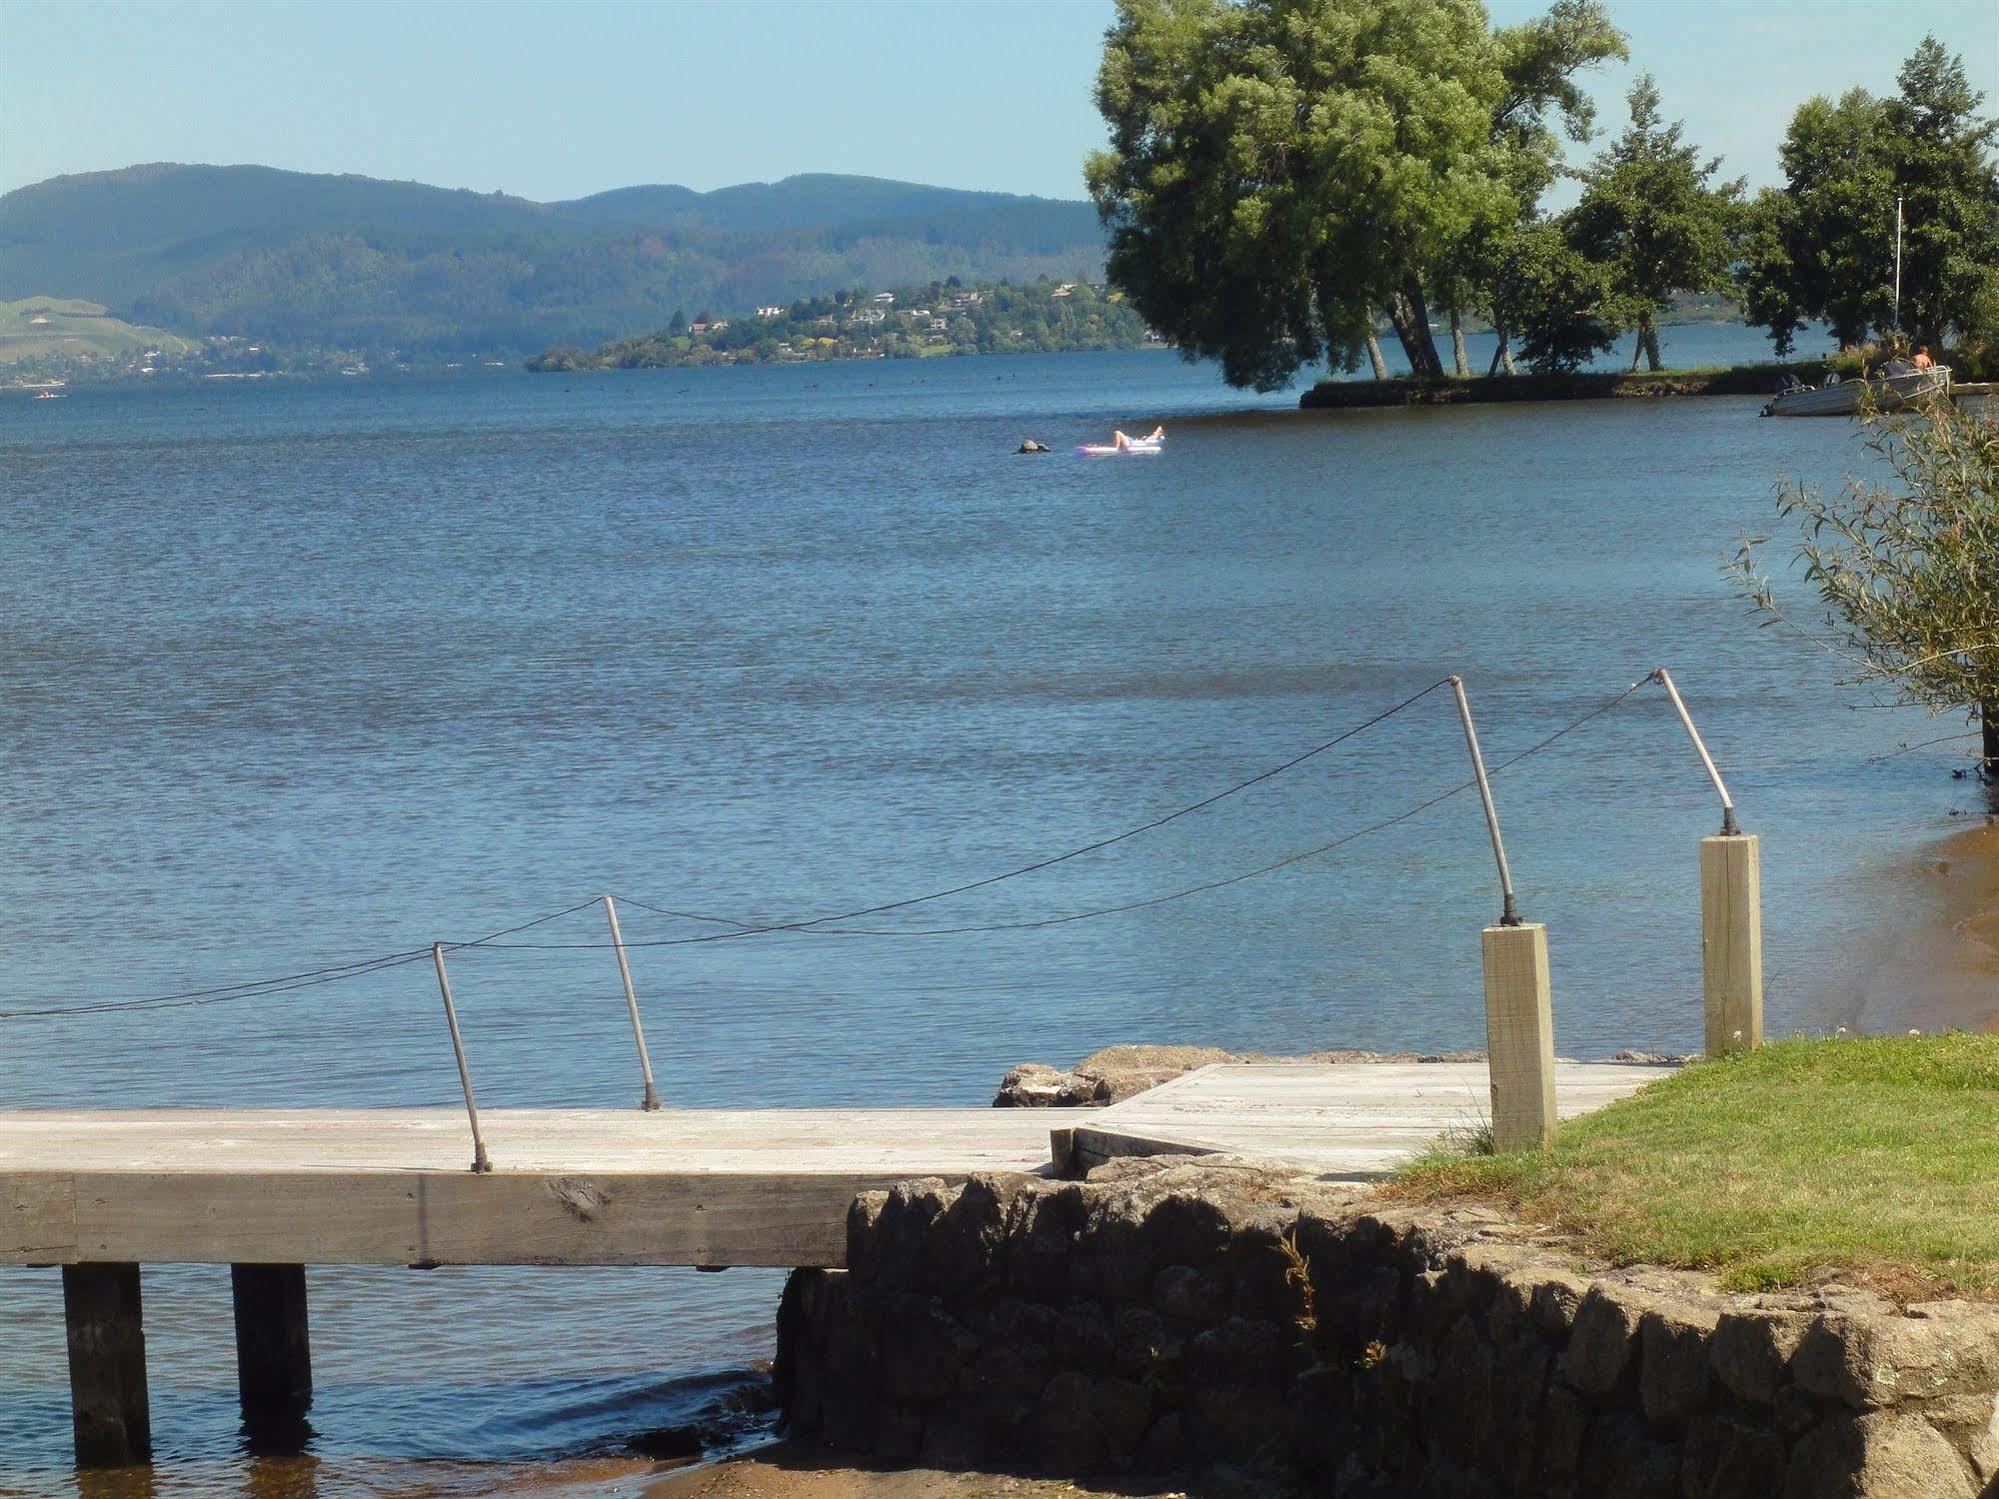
(624, 1187)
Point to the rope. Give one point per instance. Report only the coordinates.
(746, 930)
(259, 988)
(824, 925)
(189, 999)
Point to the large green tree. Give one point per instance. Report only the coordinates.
(1941, 154)
(1551, 296)
(1822, 247)
(1652, 216)
(1282, 171)
(1544, 105)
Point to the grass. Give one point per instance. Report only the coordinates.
(52, 325)
(1874, 1160)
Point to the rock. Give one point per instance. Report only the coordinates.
(1751, 1350)
(1970, 1423)
(1033, 1086)
(1727, 1459)
(1622, 1461)
(1876, 1455)
(1603, 1343)
(1029, 445)
(1170, 1311)
(1865, 1354)
(1673, 1363)
(1556, 1301)
(1200, 1296)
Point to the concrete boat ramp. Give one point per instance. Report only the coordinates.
(269, 1192)
(674, 1187)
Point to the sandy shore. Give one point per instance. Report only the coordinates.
(1939, 968)
(789, 1470)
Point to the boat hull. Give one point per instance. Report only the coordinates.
(1889, 393)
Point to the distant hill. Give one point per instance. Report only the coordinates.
(39, 326)
(347, 261)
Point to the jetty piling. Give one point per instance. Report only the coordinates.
(1519, 1008)
(1732, 942)
(107, 1364)
(273, 1356)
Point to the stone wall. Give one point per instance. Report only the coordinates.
(1177, 1317)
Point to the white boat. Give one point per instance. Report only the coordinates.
(1888, 391)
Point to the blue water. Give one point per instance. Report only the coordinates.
(291, 674)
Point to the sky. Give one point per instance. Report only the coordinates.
(552, 99)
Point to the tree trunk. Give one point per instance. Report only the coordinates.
(1419, 318)
(1374, 356)
(1637, 347)
(1988, 724)
(1652, 360)
(1506, 355)
(1460, 363)
(1498, 351)
(1400, 320)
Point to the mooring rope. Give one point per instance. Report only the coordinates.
(827, 925)
(820, 926)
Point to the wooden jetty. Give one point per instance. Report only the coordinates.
(270, 1192)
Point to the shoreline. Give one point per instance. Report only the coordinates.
(1940, 972)
(1584, 385)
(791, 1469)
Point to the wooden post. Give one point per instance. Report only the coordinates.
(273, 1356)
(1732, 942)
(1519, 1036)
(107, 1365)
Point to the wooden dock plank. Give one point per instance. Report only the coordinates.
(625, 1187)
(1352, 1121)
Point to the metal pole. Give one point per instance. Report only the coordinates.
(651, 1100)
(1728, 824)
(1510, 912)
(1898, 262)
(480, 1161)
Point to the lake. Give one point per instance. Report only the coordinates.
(292, 674)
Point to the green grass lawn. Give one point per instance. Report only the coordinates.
(49, 325)
(1868, 1159)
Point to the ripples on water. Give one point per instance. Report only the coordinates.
(291, 674)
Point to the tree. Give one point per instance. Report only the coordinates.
(1282, 170)
(1543, 289)
(1939, 150)
(1649, 216)
(1823, 245)
(1540, 61)
(1908, 572)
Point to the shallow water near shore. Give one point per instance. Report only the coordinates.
(294, 674)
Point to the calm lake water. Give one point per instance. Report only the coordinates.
(295, 674)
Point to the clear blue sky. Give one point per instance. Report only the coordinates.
(558, 98)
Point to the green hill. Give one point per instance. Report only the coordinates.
(37, 326)
(348, 261)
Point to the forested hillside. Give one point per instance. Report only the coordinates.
(351, 262)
